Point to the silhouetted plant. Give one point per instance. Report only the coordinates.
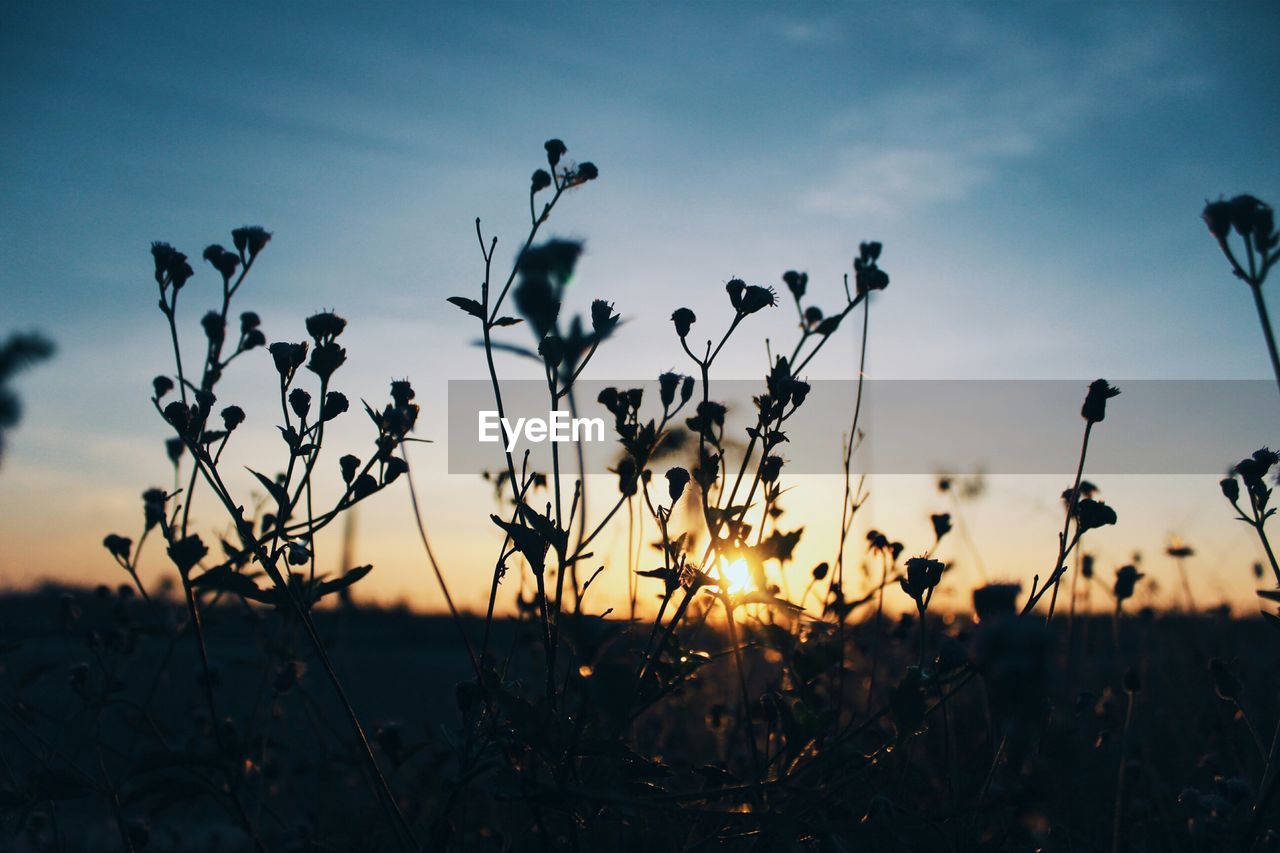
(20, 352)
(1254, 222)
(738, 712)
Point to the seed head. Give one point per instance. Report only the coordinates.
(119, 546)
(325, 326)
(300, 402)
(1091, 514)
(796, 282)
(677, 480)
(232, 417)
(683, 319)
(603, 320)
(249, 240)
(1217, 216)
(223, 261)
(1095, 402)
(1127, 578)
(555, 150)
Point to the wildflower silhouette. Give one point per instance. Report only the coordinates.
(1253, 472)
(1254, 222)
(20, 352)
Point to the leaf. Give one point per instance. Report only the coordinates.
(525, 352)
(276, 491)
(224, 578)
(353, 575)
(1269, 594)
(830, 324)
(758, 597)
(507, 321)
(1272, 619)
(475, 309)
(527, 542)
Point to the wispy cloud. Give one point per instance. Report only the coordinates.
(923, 145)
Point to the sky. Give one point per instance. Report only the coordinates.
(1035, 171)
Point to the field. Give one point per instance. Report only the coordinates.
(249, 702)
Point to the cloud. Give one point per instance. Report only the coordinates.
(871, 180)
(942, 139)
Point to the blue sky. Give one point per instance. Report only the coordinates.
(1035, 171)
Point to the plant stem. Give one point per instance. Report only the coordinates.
(1261, 305)
(1120, 777)
(1063, 548)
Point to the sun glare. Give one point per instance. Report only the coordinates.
(738, 576)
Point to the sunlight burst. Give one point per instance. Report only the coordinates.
(738, 575)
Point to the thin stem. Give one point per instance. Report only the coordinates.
(1261, 305)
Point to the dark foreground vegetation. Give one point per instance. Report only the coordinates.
(256, 708)
(106, 732)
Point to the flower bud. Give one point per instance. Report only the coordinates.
(325, 326)
(1217, 216)
(401, 393)
(1230, 488)
(796, 282)
(1095, 402)
(334, 405)
(555, 150)
(541, 180)
(300, 402)
(215, 328)
(677, 480)
(161, 385)
(683, 319)
(603, 320)
(551, 348)
(326, 358)
(756, 297)
(232, 417)
(118, 546)
(223, 261)
(667, 383)
(249, 240)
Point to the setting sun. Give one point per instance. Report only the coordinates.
(738, 575)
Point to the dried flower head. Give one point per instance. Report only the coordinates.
(923, 574)
(223, 261)
(796, 282)
(683, 319)
(603, 318)
(555, 150)
(1127, 578)
(1091, 514)
(677, 480)
(249, 240)
(325, 326)
(1095, 402)
(1217, 216)
(232, 417)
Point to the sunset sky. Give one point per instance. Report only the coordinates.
(1036, 177)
